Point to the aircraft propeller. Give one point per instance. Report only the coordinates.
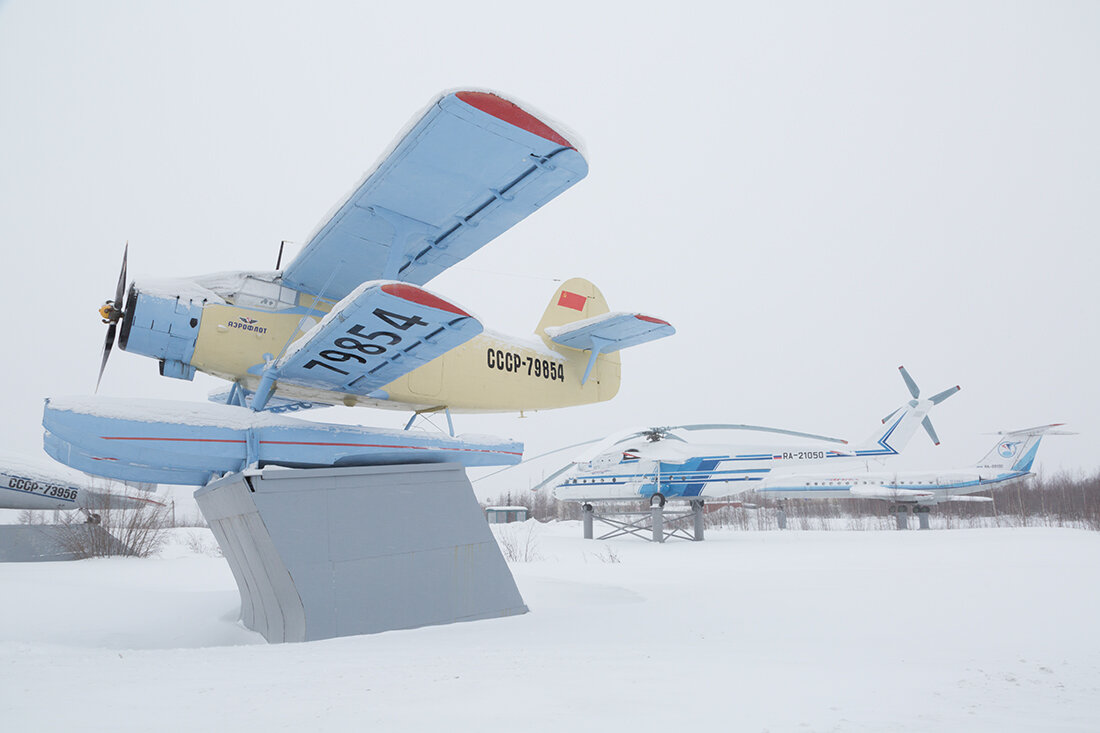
(111, 312)
(935, 399)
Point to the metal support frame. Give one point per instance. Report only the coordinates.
(697, 511)
(902, 513)
(656, 524)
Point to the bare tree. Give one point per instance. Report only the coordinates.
(107, 530)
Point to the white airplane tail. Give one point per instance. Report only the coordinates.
(1016, 450)
(899, 425)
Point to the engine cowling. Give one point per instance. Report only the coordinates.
(162, 327)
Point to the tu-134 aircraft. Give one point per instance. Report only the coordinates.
(658, 464)
(1008, 462)
(347, 321)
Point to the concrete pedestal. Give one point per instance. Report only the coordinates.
(320, 553)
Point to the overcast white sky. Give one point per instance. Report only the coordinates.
(812, 194)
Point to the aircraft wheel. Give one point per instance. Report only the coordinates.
(657, 499)
(93, 519)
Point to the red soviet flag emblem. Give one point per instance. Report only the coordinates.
(572, 300)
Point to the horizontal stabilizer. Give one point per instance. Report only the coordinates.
(470, 167)
(608, 333)
(1016, 449)
(379, 332)
(187, 443)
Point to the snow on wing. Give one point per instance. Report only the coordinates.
(378, 333)
(470, 168)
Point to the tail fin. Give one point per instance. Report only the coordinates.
(899, 425)
(897, 429)
(600, 334)
(575, 300)
(1016, 450)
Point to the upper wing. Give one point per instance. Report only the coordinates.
(373, 336)
(470, 167)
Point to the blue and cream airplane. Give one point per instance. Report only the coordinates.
(1009, 461)
(660, 464)
(347, 321)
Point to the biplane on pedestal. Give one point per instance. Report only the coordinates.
(348, 322)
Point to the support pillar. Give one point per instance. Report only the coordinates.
(586, 518)
(922, 513)
(697, 510)
(781, 517)
(902, 513)
(658, 522)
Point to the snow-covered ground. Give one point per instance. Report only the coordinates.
(968, 630)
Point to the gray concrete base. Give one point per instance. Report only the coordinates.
(52, 542)
(320, 553)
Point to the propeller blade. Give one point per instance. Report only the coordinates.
(120, 289)
(111, 313)
(757, 428)
(913, 388)
(927, 423)
(107, 345)
(938, 398)
(890, 415)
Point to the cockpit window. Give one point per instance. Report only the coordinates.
(260, 294)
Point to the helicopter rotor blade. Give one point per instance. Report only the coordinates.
(756, 428)
(927, 423)
(913, 388)
(941, 396)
